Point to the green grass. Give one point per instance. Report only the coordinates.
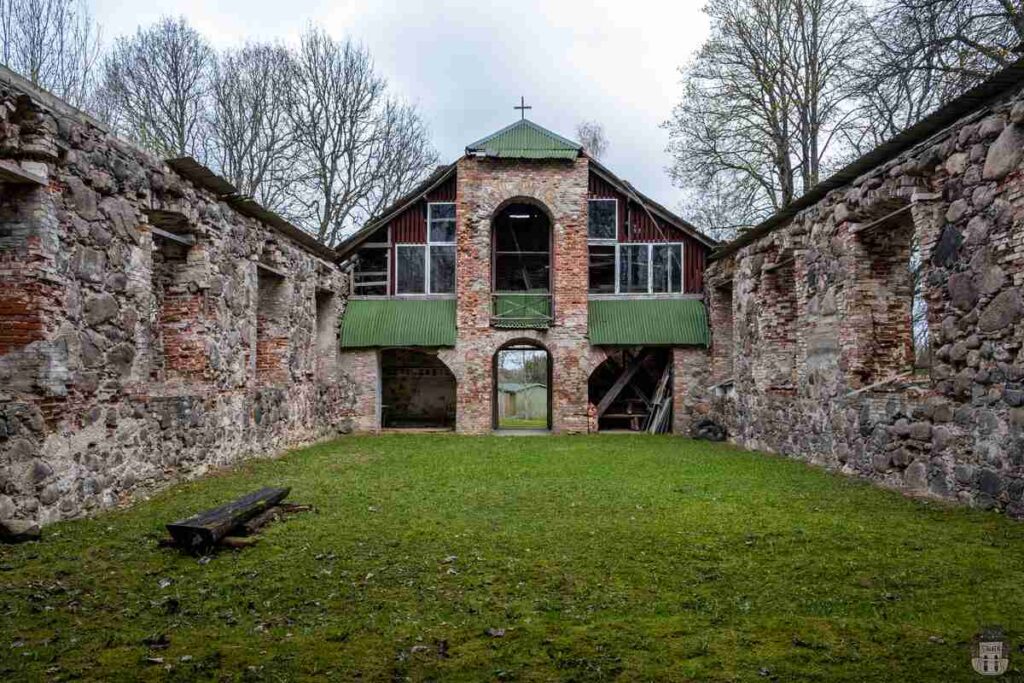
(523, 423)
(614, 557)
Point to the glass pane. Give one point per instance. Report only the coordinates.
(442, 231)
(521, 272)
(442, 270)
(601, 222)
(660, 267)
(445, 210)
(371, 272)
(633, 268)
(522, 388)
(409, 270)
(676, 262)
(521, 227)
(602, 269)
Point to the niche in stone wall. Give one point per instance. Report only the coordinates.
(178, 348)
(272, 333)
(722, 330)
(326, 333)
(886, 314)
(777, 299)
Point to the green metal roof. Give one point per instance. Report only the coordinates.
(647, 322)
(525, 140)
(398, 322)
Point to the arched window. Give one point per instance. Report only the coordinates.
(522, 386)
(521, 267)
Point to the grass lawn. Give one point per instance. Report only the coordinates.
(624, 557)
(523, 423)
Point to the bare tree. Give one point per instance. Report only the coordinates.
(251, 141)
(53, 43)
(156, 86)
(923, 53)
(358, 149)
(763, 104)
(591, 135)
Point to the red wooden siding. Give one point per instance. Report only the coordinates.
(410, 226)
(635, 225)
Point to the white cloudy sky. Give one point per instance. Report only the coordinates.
(466, 62)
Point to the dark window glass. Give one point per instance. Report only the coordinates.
(442, 270)
(664, 274)
(521, 272)
(409, 270)
(442, 222)
(371, 274)
(602, 269)
(601, 221)
(676, 262)
(633, 268)
(522, 228)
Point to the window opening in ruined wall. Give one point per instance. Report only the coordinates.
(887, 314)
(722, 331)
(326, 338)
(178, 349)
(272, 330)
(778, 324)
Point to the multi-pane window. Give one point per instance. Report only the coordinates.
(649, 269)
(429, 268)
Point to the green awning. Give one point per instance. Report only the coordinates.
(398, 322)
(647, 322)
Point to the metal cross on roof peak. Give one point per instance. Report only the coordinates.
(522, 107)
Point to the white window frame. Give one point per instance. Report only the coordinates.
(426, 271)
(430, 219)
(603, 240)
(650, 265)
(387, 274)
(428, 289)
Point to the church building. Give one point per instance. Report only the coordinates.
(523, 286)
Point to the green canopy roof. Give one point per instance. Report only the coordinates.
(398, 322)
(525, 140)
(647, 322)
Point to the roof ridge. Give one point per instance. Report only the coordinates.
(563, 143)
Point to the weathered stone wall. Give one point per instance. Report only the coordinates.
(817, 337)
(127, 359)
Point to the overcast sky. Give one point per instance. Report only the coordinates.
(466, 62)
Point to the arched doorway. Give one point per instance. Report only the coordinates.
(521, 267)
(417, 391)
(522, 386)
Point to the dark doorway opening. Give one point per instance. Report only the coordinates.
(522, 387)
(521, 266)
(632, 390)
(417, 391)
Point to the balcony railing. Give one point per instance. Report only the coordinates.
(521, 311)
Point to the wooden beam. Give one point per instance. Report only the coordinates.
(187, 240)
(10, 172)
(859, 228)
(203, 531)
(620, 384)
(273, 271)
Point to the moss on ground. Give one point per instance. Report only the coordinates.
(588, 558)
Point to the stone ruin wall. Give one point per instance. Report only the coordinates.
(811, 322)
(126, 359)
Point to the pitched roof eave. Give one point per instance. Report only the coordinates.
(628, 189)
(345, 248)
